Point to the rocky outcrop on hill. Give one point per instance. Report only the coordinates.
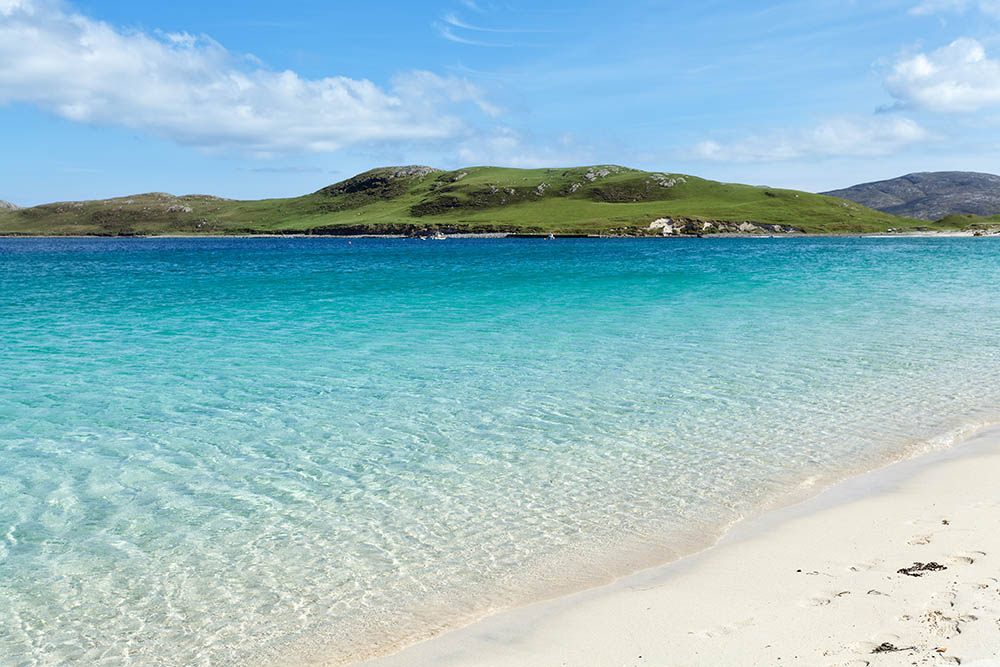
(686, 226)
(373, 185)
(377, 179)
(7, 206)
(929, 195)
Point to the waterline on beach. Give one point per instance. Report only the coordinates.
(628, 560)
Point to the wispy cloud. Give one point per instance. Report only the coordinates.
(456, 22)
(452, 27)
(837, 137)
(191, 90)
(936, 6)
(927, 7)
(955, 78)
(446, 32)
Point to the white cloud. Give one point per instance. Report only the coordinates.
(927, 7)
(508, 147)
(838, 137)
(10, 6)
(432, 91)
(191, 90)
(955, 78)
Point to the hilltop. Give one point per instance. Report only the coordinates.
(605, 199)
(929, 195)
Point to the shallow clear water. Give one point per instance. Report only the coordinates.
(236, 451)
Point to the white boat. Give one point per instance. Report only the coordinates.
(439, 237)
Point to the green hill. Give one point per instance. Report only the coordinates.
(414, 200)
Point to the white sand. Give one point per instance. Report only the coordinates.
(812, 584)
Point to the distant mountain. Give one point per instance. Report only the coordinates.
(929, 195)
(419, 201)
(7, 206)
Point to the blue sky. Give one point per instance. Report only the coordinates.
(256, 99)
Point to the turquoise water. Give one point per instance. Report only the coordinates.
(258, 450)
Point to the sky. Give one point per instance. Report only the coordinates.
(255, 99)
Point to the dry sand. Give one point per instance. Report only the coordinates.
(817, 583)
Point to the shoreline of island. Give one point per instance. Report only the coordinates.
(518, 235)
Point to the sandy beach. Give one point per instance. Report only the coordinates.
(900, 566)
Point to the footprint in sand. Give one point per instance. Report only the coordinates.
(965, 558)
(976, 586)
(815, 602)
(919, 539)
(824, 600)
(867, 565)
(943, 600)
(975, 597)
(723, 630)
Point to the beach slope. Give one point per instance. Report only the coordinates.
(895, 567)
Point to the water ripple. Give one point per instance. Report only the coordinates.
(232, 451)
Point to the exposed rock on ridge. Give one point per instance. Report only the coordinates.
(377, 179)
(372, 186)
(7, 206)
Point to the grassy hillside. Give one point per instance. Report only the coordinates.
(408, 200)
